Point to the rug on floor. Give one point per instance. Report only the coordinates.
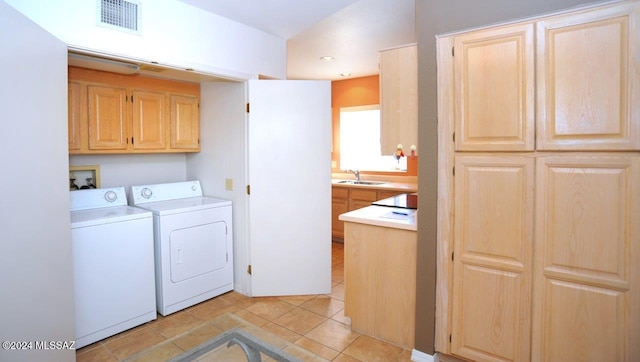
(238, 340)
(252, 347)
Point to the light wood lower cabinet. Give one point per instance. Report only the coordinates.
(493, 258)
(345, 199)
(587, 247)
(339, 205)
(380, 282)
(578, 299)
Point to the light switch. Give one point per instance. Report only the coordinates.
(334, 164)
(228, 184)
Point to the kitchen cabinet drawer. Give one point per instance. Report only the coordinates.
(387, 194)
(361, 198)
(364, 195)
(340, 192)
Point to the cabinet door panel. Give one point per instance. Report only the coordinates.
(185, 123)
(380, 279)
(494, 89)
(587, 282)
(75, 114)
(589, 81)
(148, 121)
(492, 257)
(107, 115)
(398, 98)
(339, 205)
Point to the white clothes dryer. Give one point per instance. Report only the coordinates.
(193, 243)
(113, 269)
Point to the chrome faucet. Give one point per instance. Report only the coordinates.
(357, 173)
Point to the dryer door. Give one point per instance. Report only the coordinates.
(198, 250)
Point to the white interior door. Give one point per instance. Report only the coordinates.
(290, 177)
(36, 274)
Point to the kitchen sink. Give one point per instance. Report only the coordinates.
(353, 182)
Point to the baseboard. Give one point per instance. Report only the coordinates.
(417, 356)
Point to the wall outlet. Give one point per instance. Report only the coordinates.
(334, 164)
(228, 184)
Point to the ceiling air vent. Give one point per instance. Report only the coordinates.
(119, 14)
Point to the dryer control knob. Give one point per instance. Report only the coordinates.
(110, 196)
(146, 193)
(193, 188)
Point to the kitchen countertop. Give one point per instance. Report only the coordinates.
(383, 216)
(391, 186)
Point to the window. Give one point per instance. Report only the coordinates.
(360, 141)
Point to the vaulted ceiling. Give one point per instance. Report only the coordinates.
(350, 31)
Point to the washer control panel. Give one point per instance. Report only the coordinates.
(97, 198)
(163, 192)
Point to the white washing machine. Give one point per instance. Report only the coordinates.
(193, 243)
(113, 264)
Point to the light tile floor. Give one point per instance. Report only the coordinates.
(315, 323)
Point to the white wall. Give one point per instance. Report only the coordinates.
(36, 279)
(172, 33)
(139, 169)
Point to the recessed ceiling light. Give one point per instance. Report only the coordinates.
(345, 74)
(327, 58)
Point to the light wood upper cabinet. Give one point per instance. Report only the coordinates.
(107, 117)
(494, 89)
(588, 80)
(399, 98)
(113, 113)
(75, 103)
(149, 121)
(185, 122)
